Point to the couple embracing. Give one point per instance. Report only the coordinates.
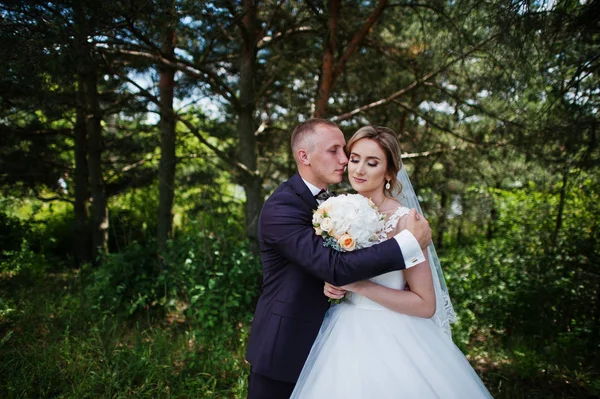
(383, 340)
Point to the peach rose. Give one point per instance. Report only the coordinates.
(346, 242)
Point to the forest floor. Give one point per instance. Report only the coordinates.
(50, 346)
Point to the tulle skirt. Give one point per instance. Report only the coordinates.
(377, 353)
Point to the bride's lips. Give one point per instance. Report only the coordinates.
(356, 179)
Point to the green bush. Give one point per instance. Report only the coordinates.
(524, 287)
(17, 257)
(208, 274)
(12, 232)
(139, 324)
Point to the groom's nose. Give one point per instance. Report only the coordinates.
(343, 159)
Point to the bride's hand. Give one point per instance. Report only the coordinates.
(333, 292)
(355, 287)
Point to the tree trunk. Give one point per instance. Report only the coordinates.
(491, 227)
(332, 69)
(561, 207)
(328, 61)
(247, 148)
(91, 118)
(97, 189)
(168, 160)
(461, 219)
(492, 223)
(444, 199)
(442, 219)
(81, 237)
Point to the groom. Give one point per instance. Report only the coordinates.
(295, 263)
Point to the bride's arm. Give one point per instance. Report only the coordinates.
(419, 301)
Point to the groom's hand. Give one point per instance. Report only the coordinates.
(419, 227)
(333, 292)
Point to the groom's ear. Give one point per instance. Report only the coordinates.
(303, 157)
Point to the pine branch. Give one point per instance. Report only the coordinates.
(192, 129)
(411, 86)
(195, 72)
(358, 38)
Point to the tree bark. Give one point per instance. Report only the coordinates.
(491, 227)
(444, 199)
(168, 160)
(443, 218)
(328, 63)
(97, 189)
(90, 118)
(81, 237)
(251, 181)
(561, 206)
(331, 69)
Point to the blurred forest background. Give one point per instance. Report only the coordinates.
(140, 138)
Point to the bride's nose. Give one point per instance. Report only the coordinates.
(360, 170)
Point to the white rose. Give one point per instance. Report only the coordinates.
(351, 219)
(317, 218)
(326, 225)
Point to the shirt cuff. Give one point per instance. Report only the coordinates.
(411, 250)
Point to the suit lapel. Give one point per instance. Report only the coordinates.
(302, 191)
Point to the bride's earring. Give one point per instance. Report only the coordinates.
(387, 185)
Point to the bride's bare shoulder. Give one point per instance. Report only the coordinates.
(392, 206)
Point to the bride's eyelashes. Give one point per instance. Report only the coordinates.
(373, 164)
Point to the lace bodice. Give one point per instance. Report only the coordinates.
(393, 279)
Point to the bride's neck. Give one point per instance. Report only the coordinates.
(378, 198)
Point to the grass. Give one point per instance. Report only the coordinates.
(51, 346)
(511, 368)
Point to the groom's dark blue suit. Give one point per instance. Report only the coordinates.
(295, 263)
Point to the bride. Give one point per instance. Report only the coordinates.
(384, 341)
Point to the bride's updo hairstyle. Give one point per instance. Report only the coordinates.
(389, 144)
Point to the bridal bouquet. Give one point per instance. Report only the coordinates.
(348, 222)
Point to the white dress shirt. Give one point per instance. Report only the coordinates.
(314, 190)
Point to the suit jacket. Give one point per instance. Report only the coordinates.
(295, 264)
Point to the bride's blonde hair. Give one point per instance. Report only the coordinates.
(387, 140)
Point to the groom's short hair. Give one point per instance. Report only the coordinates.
(306, 128)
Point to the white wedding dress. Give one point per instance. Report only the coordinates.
(366, 351)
